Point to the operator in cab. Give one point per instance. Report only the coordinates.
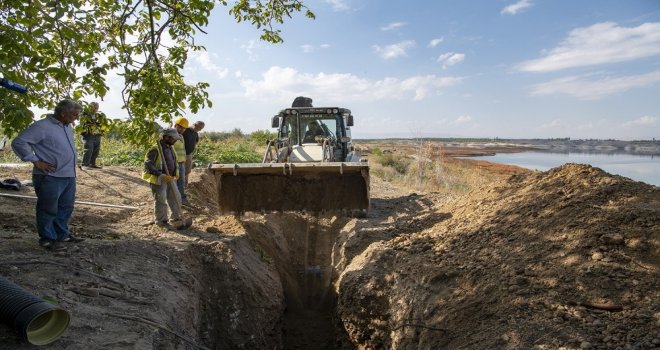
(313, 130)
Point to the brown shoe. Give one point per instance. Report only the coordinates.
(182, 224)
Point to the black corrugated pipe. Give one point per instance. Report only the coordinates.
(38, 321)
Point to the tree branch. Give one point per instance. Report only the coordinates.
(183, 14)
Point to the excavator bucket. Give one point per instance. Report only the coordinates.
(310, 187)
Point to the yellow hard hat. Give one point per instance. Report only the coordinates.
(181, 121)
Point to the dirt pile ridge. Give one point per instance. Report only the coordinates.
(567, 258)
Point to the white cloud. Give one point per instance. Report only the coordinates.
(249, 49)
(309, 48)
(450, 58)
(601, 43)
(643, 121)
(205, 61)
(394, 50)
(393, 25)
(463, 119)
(338, 5)
(582, 88)
(280, 83)
(435, 42)
(513, 9)
(557, 123)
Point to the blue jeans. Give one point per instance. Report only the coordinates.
(180, 183)
(55, 197)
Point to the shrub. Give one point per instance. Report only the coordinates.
(395, 161)
(216, 136)
(232, 150)
(261, 137)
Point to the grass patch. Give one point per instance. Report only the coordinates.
(236, 148)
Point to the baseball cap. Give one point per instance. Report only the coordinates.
(172, 133)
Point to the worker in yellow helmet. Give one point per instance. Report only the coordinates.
(181, 124)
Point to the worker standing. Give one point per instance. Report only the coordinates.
(48, 144)
(161, 171)
(181, 124)
(191, 138)
(91, 129)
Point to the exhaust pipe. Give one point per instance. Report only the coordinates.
(38, 321)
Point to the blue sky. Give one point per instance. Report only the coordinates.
(455, 68)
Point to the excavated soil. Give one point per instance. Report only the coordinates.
(563, 259)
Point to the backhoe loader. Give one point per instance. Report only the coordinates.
(311, 166)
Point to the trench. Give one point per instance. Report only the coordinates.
(277, 291)
(271, 286)
(302, 248)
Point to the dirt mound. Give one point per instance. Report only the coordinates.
(567, 258)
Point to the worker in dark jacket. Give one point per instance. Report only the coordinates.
(191, 138)
(161, 171)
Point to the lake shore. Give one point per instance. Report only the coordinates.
(484, 147)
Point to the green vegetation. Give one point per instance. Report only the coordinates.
(68, 48)
(396, 162)
(117, 151)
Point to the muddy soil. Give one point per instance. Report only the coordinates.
(568, 258)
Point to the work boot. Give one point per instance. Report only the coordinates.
(73, 239)
(53, 246)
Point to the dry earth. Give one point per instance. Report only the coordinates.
(564, 259)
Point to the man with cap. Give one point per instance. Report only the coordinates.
(181, 124)
(161, 171)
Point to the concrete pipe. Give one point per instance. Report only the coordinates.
(38, 321)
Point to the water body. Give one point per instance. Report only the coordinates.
(643, 168)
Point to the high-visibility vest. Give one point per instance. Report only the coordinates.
(158, 163)
(180, 150)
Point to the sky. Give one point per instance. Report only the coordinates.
(584, 69)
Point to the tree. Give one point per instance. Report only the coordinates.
(66, 48)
